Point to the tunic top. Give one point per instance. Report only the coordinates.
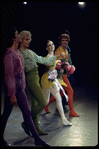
(13, 65)
(60, 50)
(45, 82)
(31, 59)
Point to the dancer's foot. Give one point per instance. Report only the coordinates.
(37, 126)
(73, 113)
(46, 109)
(25, 129)
(41, 143)
(41, 132)
(66, 122)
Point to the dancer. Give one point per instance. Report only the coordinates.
(62, 68)
(50, 84)
(31, 71)
(64, 40)
(15, 83)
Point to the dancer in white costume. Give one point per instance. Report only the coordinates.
(50, 84)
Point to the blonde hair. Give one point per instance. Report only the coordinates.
(24, 34)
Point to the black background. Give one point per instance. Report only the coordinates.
(47, 20)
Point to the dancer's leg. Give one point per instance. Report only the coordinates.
(52, 99)
(37, 98)
(69, 91)
(23, 105)
(46, 92)
(4, 117)
(35, 116)
(56, 94)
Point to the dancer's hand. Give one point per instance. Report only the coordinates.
(13, 101)
(61, 56)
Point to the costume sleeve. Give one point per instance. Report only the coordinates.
(56, 62)
(23, 80)
(45, 60)
(69, 54)
(23, 73)
(9, 75)
(70, 61)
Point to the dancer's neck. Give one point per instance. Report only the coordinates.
(22, 47)
(50, 53)
(15, 46)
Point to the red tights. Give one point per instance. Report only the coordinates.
(69, 92)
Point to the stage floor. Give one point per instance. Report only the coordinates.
(84, 129)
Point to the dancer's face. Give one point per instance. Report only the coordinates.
(26, 42)
(64, 42)
(50, 46)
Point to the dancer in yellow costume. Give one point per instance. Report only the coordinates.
(50, 84)
(64, 41)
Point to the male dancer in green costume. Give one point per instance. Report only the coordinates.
(31, 71)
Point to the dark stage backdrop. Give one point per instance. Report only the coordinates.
(47, 20)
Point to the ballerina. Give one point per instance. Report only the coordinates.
(50, 84)
(63, 78)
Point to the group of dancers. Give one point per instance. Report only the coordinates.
(21, 69)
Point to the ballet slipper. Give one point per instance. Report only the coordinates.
(40, 132)
(73, 113)
(66, 122)
(46, 109)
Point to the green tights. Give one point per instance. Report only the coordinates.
(37, 97)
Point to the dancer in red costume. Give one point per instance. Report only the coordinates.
(64, 40)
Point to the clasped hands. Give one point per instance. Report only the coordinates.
(61, 56)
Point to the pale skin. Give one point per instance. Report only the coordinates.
(64, 43)
(25, 43)
(50, 47)
(55, 89)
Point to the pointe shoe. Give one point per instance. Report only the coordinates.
(41, 132)
(66, 122)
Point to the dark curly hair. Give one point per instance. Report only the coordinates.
(10, 35)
